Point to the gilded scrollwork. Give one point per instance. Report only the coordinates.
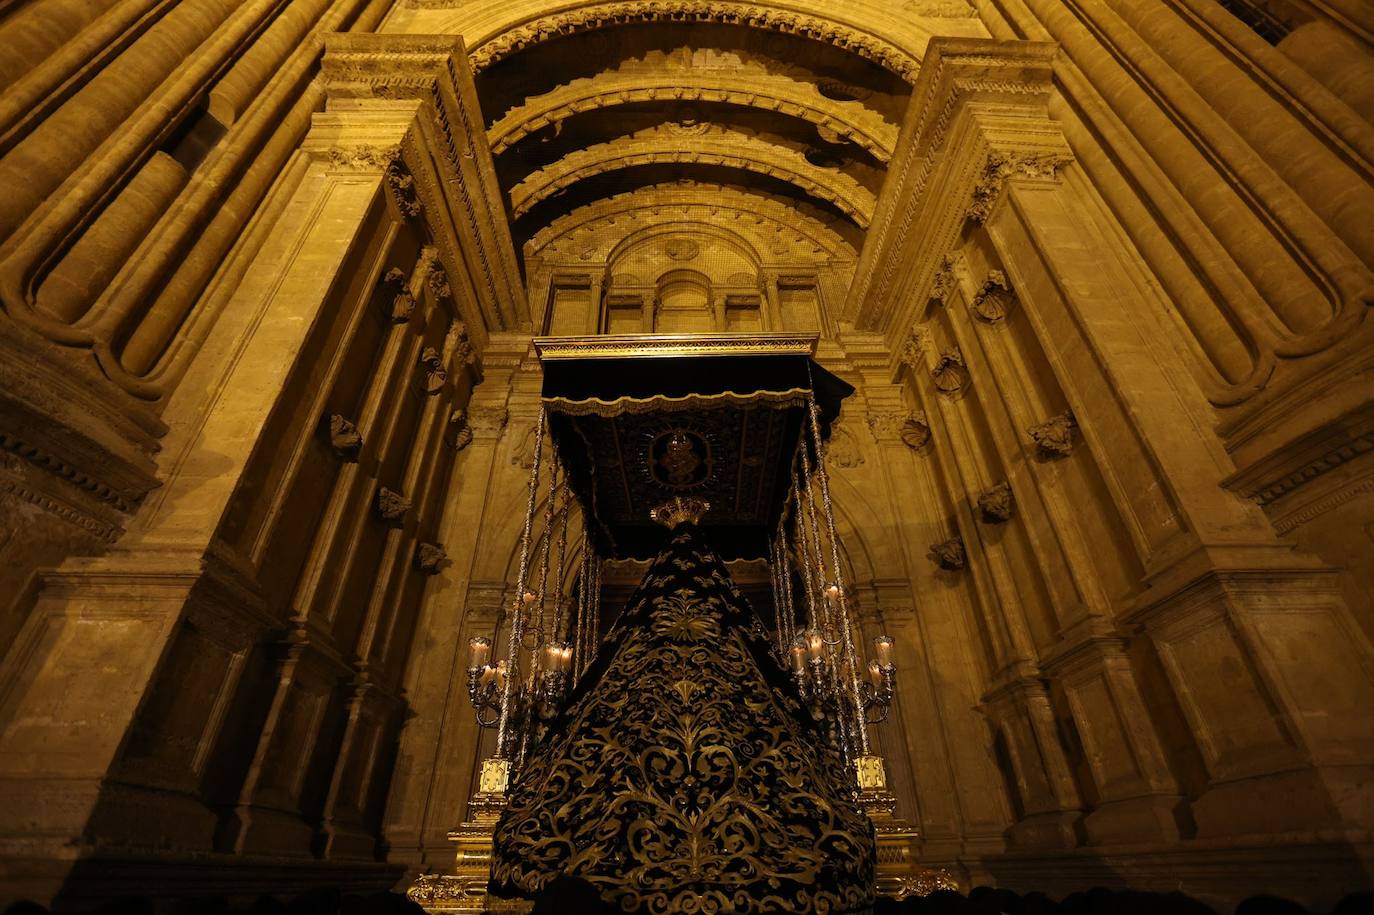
(686, 777)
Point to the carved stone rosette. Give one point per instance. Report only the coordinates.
(1054, 438)
(344, 437)
(950, 374)
(997, 505)
(994, 298)
(949, 554)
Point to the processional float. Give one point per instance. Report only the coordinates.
(729, 431)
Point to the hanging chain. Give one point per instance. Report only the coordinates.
(851, 655)
(518, 613)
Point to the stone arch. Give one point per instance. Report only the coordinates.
(500, 41)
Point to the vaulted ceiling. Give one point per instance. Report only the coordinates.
(776, 115)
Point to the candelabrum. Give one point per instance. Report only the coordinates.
(538, 700)
(819, 673)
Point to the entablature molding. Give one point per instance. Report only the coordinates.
(978, 118)
(455, 179)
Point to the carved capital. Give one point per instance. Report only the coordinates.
(394, 293)
(949, 373)
(912, 428)
(997, 504)
(344, 437)
(949, 554)
(391, 505)
(994, 298)
(429, 558)
(1055, 437)
(1004, 166)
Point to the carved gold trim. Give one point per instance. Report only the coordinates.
(649, 346)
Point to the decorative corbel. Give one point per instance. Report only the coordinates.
(1054, 438)
(397, 302)
(391, 505)
(344, 437)
(949, 554)
(997, 504)
(943, 284)
(429, 558)
(950, 374)
(994, 298)
(459, 430)
(435, 373)
(458, 345)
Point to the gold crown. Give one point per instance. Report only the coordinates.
(671, 514)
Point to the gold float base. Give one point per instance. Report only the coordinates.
(464, 892)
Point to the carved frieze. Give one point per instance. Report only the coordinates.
(397, 302)
(1003, 166)
(362, 157)
(1054, 438)
(997, 504)
(344, 437)
(391, 505)
(994, 298)
(949, 373)
(432, 365)
(429, 558)
(949, 554)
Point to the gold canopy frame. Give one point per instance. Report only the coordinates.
(651, 346)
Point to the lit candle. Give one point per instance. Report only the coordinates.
(501, 671)
(882, 648)
(479, 649)
(875, 674)
(530, 597)
(551, 656)
(815, 644)
(488, 675)
(798, 655)
(832, 593)
(565, 658)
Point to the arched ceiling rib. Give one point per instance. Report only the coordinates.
(796, 102)
(709, 147)
(842, 120)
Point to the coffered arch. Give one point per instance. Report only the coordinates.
(715, 147)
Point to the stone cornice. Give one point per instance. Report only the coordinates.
(467, 215)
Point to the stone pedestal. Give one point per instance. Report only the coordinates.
(899, 874)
